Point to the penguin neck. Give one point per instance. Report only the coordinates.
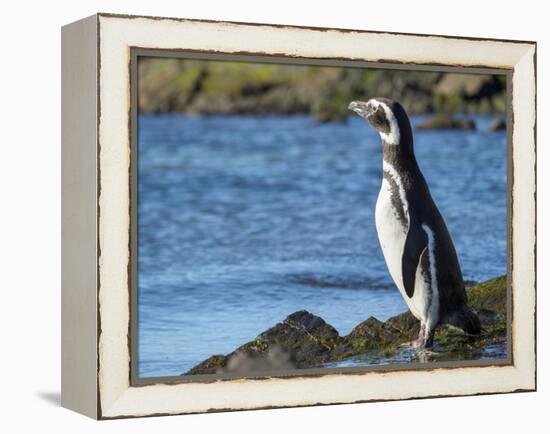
(397, 145)
(400, 155)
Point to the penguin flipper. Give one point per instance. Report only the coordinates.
(415, 244)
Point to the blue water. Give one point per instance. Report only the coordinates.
(244, 220)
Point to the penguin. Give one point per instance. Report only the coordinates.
(416, 244)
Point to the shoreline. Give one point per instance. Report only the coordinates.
(304, 340)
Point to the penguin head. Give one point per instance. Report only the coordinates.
(386, 116)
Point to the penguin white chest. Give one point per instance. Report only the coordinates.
(392, 224)
(392, 231)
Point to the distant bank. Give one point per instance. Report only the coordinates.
(197, 87)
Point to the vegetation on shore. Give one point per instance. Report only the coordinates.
(198, 87)
(304, 340)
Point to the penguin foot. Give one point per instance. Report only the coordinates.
(424, 340)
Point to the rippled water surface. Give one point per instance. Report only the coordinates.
(244, 220)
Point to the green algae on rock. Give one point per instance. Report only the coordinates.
(304, 340)
(489, 295)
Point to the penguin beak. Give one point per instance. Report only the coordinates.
(363, 109)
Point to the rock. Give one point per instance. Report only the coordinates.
(371, 334)
(275, 358)
(304, 340)
(489, 295)
(446, 122)
(497, 125)
(307, 337)
(489, 300)
(212, 365)
(469, 85)
(301, 340)
(374, 331)
(406, 324)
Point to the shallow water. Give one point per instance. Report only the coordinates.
(496, 350)
(244, 220)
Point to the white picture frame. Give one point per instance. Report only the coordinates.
(96, 213)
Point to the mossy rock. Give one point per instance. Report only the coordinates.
(489, 299)
(301, 340)
(371, 334)
(213, 365)
(407, 324)
(304, 340)
(374, 331)
(490, 295)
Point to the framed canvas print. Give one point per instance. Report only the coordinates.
(261, 216)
